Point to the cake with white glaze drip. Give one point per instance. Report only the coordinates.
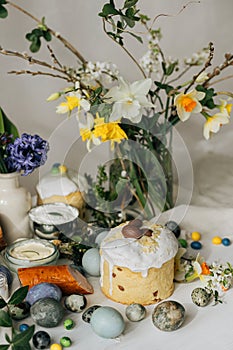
(58, 187)
(137, 263)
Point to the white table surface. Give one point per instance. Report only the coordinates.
(208, 327)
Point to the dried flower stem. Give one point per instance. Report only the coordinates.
(126, 50)
(66, 43)
(217, 70)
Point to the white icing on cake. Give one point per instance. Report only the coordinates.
(139, 255)
(53, 184)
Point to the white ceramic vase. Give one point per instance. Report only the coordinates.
(15, 203)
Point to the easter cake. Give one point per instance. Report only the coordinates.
(137, 263)
(57, 186)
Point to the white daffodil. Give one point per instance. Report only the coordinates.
(214, 122)
(225, 107)
(186, 104)
(86, 124)
(129, 99)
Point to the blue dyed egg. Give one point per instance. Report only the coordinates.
(43, 290)
(107, 322)
(226, 241)
(196, 245)
(91, 262)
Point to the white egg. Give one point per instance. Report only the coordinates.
(107, 322)
(91, 262)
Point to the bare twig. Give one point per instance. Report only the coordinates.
(57, 35)
(34, 73)
(217, 70)
(206, 65)
(221, 79)
(54, 58)
(32, 60)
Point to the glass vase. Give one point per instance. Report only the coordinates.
(15, 203)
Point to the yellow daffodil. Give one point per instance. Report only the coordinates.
(187, 104)
(129, 99)
(110, 132)
(214, 122)
(73, 101)
(199, 270)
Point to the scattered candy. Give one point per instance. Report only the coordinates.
(216, 240)
(41, 340)
(168, 315)
(174, 227)
(226, 241)
(183, 242)
(66, 342)
(135, 312)
(55, 346)
(196, 236)
(196, 245)
(68, 324)
(23, 327)
(200, 297)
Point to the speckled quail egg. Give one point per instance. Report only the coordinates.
(86, 316)
(200, 297)
(168, 315)
(107, 322)
(135, 312)
(75, 302)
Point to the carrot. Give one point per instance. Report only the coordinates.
(70, 280)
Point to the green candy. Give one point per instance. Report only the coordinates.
(65, 341)
(183, 242)
(68, 324)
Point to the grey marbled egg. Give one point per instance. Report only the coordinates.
(168, 315)
(19, 311)
(86, 316)
(200, 296)
(47, 312)
(135, 312)
(75, 302)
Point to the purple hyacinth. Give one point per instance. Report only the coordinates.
(26, 153)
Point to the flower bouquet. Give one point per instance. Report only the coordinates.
(136, 119)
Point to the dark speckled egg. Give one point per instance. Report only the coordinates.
(168, 315)
(86, 316)
(19, 311)
(200, 297)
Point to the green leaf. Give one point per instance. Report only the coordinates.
(18, 296)
(23, 338)
(2, 303)
(3, 12)
(108, 9)
(4, 347)
(7, 338)
(5, 320)
(47, 35)
(35, 46)
(6, 125)
(129, 3)
(165, 87)
(3, 2)
(129, 21)
(170, 68)
(137, 37)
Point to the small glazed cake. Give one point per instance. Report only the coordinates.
(57, 186)
(137, 263)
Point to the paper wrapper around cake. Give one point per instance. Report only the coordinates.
(146, 286)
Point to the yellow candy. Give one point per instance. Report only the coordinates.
(55, 347)
(63, 169)
(196, 236)
(216, 240)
